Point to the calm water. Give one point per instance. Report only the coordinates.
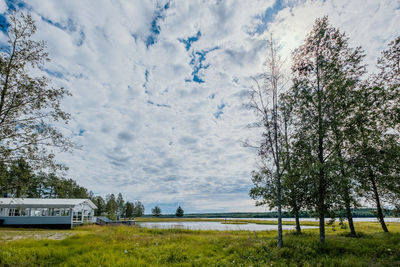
(216, 226)
(202, 225)
(368, 219)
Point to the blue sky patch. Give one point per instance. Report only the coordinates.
(42, 127)
(3, 23)
(146, 76)
(158, 105)
(81, 39)
(188, 42)
(14, 4)
(155, 29)
(219, 112)
(55, 74)
(11, 6)
(197, 63)
(269, 15)
(70, 26)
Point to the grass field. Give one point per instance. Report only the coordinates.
(133, 246)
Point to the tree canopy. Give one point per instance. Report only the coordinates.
(341, 139)
(30, 108)
(179, 212)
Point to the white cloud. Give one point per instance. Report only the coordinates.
(3, 6)
(144, 130)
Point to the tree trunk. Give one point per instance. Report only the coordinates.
(277, 154)
(321, 175)
(346, 197)
(280, 239)
(348, 213)
(377, 200)
(321, 191)
(321, 209)
(296, 214)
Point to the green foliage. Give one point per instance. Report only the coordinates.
(19, 180)
(100, 204)
(138, 210)
(129, 209)
(3, 178)
(375, 146)
(120, 205)
(341, 131)
(29, 105)
(111, 207)
(266, 101)
(326, 75)
(179, 212)
(264, 190)
(156, 211)
(134, 209)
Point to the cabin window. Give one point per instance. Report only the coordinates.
(34, 212)
(45, 212)
(64, 212)
(23, 212)
(77, 216)
(11, 212)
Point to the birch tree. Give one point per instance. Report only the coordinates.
(265, 100)
(325, 72)
(376, 148)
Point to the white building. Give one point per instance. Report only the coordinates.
(45, 212)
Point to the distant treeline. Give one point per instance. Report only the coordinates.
(357, 213)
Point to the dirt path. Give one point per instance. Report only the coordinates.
(12, 235)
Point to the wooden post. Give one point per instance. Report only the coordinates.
(71, 217)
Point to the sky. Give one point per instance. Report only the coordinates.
(159, 87)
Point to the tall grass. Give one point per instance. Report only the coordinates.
(132, 246)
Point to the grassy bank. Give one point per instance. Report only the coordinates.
(132, 246)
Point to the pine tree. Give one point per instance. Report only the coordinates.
(129, 209)
(111, 206)
(101, 206)
(120, 205)
(179, 212)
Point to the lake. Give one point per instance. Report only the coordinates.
(206, 225)
(363, 219)
(199, 225)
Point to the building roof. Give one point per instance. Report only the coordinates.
(44, 202)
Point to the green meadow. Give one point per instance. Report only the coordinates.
(93, 245)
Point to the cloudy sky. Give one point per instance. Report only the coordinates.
(158, 87)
